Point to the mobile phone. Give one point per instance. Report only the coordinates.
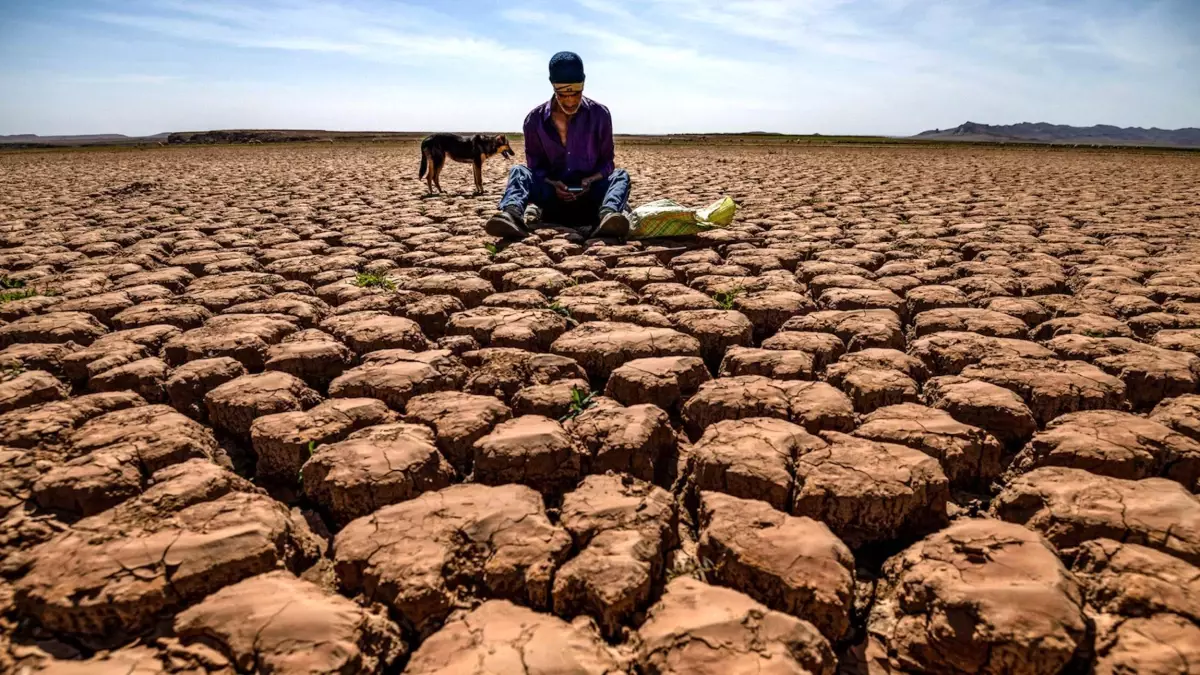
(575, 188)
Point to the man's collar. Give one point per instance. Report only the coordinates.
(549, 107)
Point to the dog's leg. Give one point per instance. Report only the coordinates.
(478, 177)
(426, 170)
(439, 161)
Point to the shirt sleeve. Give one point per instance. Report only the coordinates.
(604, 144)
(535, 156)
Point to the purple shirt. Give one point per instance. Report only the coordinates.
(589, 143)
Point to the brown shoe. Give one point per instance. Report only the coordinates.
(613, 225)
(506, 225)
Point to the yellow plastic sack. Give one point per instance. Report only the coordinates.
(665, 218)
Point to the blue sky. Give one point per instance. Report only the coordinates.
(801, 66)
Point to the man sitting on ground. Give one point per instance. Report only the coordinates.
(568, 171)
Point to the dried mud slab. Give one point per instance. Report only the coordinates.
(374, 467)
(873, 388)
(30, 388)
(869, 492)
(365, 332)
(54, 327)
(969, 456)
(858, 328)
(457, 420)
(244, 338)
(768, 311)
(190, 383)
(549, 400)
(791, 564)
(162, 312)
(623, 528)
(824, 348)
(395, 376)
(529, 329)
(981, 321)
(752, 458)
(110, 458)
(500, 637)
(147, 377)
(602, 346)
(666, 382)
(1150, 373)
(311, 355)
(49, 425)
(1052, 388)
(116, 572)
(1004, 580)
(636, 440)
(422, 556)
(773, 363)
(503, 371)
(1110, 443)
(278, 623)
(1163, 643)
(1146, 605)
(716, 329)
(1180, 414)
(876, 359)
(697, 628)
(531, 450)
(284, 441)
(233, 406)
(996, 410)
(948, 353)
(814, 405)
(1072, 506)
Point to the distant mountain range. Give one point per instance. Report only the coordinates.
(225, 136)
(1041, 132)
(33, 140)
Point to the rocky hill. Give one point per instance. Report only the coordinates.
(1042, 132)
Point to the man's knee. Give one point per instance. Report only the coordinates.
(520, 172)
(619, 174)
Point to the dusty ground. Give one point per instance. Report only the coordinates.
(919, 410)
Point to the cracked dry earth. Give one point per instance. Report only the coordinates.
(919, 410)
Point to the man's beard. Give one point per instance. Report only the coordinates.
(568, 111)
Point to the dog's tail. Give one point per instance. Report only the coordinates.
(424, 162)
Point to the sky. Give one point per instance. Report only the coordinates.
(894, 67)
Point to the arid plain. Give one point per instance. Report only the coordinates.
(920, 409)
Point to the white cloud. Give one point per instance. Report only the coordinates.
(608, 8)
(122, 78)
(392, 33)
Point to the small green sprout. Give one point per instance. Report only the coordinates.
(581, 399)
(373, 280)
(725, 299)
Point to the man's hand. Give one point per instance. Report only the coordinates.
(560, 189)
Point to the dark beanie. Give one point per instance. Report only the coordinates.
(566, 67)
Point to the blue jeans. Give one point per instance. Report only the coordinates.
(606, 193)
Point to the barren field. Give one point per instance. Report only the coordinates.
(920, 410)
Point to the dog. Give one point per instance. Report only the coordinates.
(436, 147)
